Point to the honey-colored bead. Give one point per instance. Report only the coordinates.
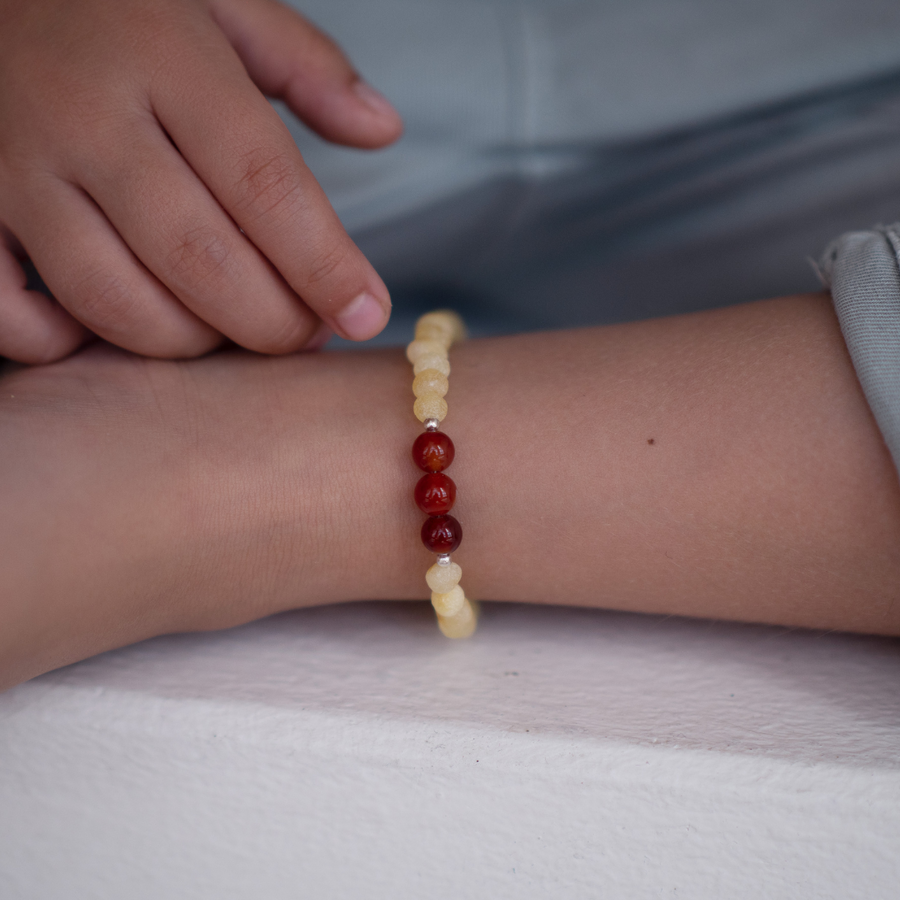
(417, 349)
(430, 382)
(463, 624)
(432, 361)
(430, 406)
(450, 603)
(432, 332)
(443, 324)
(442, 579)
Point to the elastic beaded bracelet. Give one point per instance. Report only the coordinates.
(433, 452)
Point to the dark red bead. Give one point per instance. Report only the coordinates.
(435, 494)
(433, 451)
(441, 534)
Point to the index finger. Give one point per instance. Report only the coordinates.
(243, 152)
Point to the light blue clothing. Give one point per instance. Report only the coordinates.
(569, 162)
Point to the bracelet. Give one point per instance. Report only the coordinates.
(433, 452)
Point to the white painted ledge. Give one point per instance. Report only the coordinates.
(353, 753)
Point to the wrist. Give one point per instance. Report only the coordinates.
(153, 497)
(310, 503)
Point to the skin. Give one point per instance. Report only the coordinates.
(157, 192)
(722, 464)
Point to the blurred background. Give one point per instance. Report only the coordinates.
(572, 162)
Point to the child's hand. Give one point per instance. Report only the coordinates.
(159, 195)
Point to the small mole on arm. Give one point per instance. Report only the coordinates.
(651, 440)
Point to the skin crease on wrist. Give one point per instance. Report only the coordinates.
(721, 464)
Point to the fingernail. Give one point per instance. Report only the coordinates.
(376, 102)
(362, 318)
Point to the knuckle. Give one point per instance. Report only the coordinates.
(108, 302)
(198, 255)
(266, 181)
(324, 263)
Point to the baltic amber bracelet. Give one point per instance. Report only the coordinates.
(433, 452)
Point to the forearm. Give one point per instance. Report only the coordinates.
(723, 464)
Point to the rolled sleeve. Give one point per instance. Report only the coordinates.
(862, 269)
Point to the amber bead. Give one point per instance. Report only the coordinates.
(442, 325)
(432, 451)
(430, 382)
(463, 624)
(449, 603)
(441, 534)
(430, 406)
(435, 494)
(441, 579)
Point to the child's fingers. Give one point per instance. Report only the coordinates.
(91, 272)
(290, 59)
(176, 228)
(243, 152)
(33, 328)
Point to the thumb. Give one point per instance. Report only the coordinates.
(290, 59)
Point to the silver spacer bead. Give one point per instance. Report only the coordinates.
(443, 559)
(432, 424)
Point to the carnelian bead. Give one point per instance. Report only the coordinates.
(441, 534)
(435, 494)
(433, 451)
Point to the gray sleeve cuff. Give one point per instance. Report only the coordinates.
(862, 269)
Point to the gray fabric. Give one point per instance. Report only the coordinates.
(862, 270)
